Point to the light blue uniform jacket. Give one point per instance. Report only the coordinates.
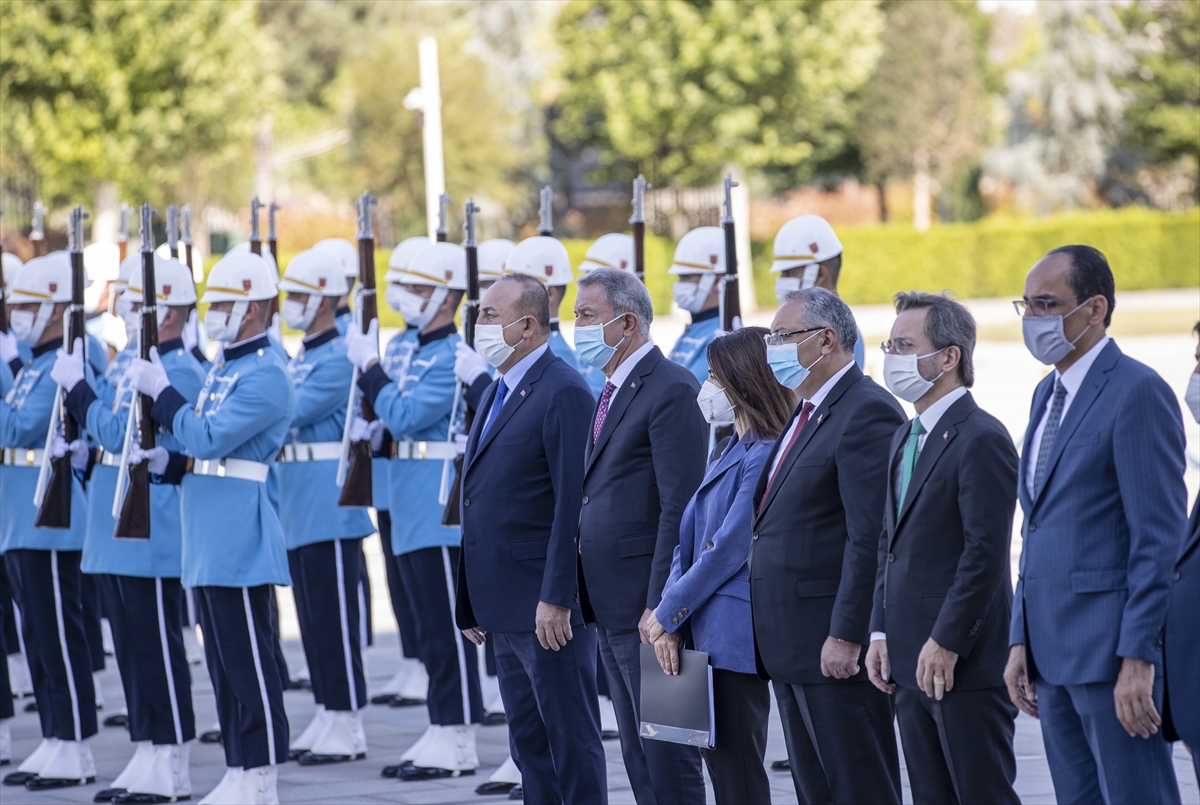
(559, 346)
(395, 360)
(231, 532)
(691, 350)
(709, 585)
(308, 491)
(343, 319)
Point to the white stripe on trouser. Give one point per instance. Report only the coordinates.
(162, 639)
(458, 646)
(362, 615)
(262, 682)
(62, 644)
(344, 623)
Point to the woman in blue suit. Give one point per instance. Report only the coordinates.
(709, 586)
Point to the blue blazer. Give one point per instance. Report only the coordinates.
(521, 494)
(709, 585)
(1102, 535)
(1182, 716)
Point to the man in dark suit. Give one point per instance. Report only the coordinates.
(1101, 487)
(813, 556)
(943, 593)
(517, 575)
(644, 461)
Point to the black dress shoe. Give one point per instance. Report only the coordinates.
(488, 789)
(31, 707)
(309, 759)
(383, 698)
(517, 794)
(117, 720)
(210, 737)
(782, 765)
(108, 794)
(40, 783)
(294, 754)
(19, 777)
(412, 774)
(400, 701)
(150, 799)
(494, 719)
(394, 769)
(300, 684)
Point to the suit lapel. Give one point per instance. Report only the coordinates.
(889, 512)
(729, 459)
(514, 399)
(619, 405)
(1037, 410)
(935, 444)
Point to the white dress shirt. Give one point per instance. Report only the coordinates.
(514, 376)
(622, 372)
(817, 399)
(1071, 379)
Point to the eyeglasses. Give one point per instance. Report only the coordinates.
(775, 339)
(900, 346)
(1041, 305)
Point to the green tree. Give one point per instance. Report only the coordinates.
(682, 89)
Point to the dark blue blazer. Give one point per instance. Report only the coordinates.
(521, 492)
(1102, 534)
(1183, 640)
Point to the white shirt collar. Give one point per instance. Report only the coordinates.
(629, 364)
(514, 376)
(1072, 379)
(827, 387)
(934, 412)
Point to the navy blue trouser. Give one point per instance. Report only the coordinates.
(46, 586)
(325, 579)
(144, 614)
(92, 611)
(6, 699)
(430, 577)
(8, 620)
(405, 622)
(239, 649)
(553, 717)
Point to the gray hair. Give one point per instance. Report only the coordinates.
(824, 308)
(625, 292)
(947, 324)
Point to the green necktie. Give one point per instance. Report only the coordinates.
(909, 461)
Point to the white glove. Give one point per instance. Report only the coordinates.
(149, 377)
(156, 458)
(78, 450)
(468, 364)
(275, 331)
(363, 431)
(68, 366)
(191, 331)
(8, 347)
(362, 349)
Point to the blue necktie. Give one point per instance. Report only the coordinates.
(497, 404)
(1049, 435)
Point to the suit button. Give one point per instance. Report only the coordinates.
(708, 544)
(683, 610)
(576, 598)
(1175, 575)
(1032, 527)
(755, 535)
(585, 499)
(466, 502)
(891, 557)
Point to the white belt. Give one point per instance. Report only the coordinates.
(310, 451)
(230, 468)
(21, 457)
(108, 458)
(412, 451)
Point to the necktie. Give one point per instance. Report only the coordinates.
(1049, 434)
(800, 423)
(497, 404)
(602, 410)
(908, 462)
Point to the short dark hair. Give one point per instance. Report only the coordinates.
(534, 299)
(1090, 276)
(834, 266)
(739, 363)
(947, 324)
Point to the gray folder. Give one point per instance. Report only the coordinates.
(678, 708)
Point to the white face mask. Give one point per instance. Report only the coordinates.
(490, 343)
(714, 404)
(1192, 396)
(133, 324)
(903, 376)
(1044, 337)
(28, 326)
(416, 310)
(691, 295)
(299, 315)
(224, 327)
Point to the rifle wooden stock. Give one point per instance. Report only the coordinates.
(3, 303)
(356, 490)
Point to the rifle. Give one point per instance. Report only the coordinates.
(442, 232)
(53, 493)
(730, 306)
(172, 229)
(255, 237)
(640, 186)
(123, 230)
(185, 215)
(37, 231)
(354, 466)
(272, 238)
(3, 304)
(546, 213)
(451, 516)
(133, 521)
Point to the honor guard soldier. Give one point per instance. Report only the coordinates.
(97, 353)
(43, 563)
(139, 578)
(417, 411)
(233, 545)
(699, 264)
(324, 541)
(614, 250)
(347, 256)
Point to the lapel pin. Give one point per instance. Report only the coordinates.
(633, 385)
(820, 419)
(522, 392)
(945, 436)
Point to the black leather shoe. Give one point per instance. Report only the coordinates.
(494, 719)
(400, 701)
(19, 777)
(300, 684)
(108, 794)
(782, 765)
(40, 783)
(31, 707)
(117, 720)
(394, 769)
(309, 759)
(210, 737)
(412, 774)
(487, 789)
(517, 794)
(294, 754)
(383, 698)
(149, 799)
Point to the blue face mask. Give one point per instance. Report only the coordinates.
(785, 363)
(591, 347)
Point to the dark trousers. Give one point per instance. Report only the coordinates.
(8, 620)
(1091, 757)
(6, 699)
(325, 581)
(553, 717)
(429, 576)
(840, 742)
(144, 615)
(958, 751)
(46, 586)
(405, 622)
(660, 773)
(742, 707)
(92, 611)
(363, 594)
(238, 647)
(285, 679)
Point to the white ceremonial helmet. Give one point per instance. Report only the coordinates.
(102, 261)
(173, 281)
(402, 255)
(244, 246)
(543, 258)
(803, 241)
(701, 251)
(345, 251)
(317, 273)
(164, 250)
(614, 250)
(240, 276)
(492, 254)
(441, 265)
(46, 280)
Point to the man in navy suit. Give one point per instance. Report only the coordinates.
(517, 574)
(1101, 488)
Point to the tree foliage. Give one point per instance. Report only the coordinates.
(682, 89)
